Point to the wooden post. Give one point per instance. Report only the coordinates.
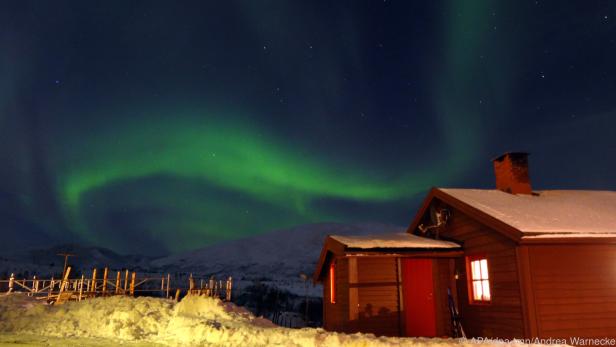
(94, 282)
(51, 285)
(191, 284)
(126, 281)
(168, 280)
(105, 273)
(132, 284)
(81, 287)
(35, 284)
(229, 288)
(211, 286)
(64, 285)
(118, 283)
(177, 294)
(11, 282)
(162, 285)
(65, 279)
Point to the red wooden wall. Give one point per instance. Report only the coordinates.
(572, 290)
(503, 316)
(377, 291)
(335, 316)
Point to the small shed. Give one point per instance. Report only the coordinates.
(520, 263)
(367, 280)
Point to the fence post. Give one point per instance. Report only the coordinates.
(81, 287)
(211, 286)
(51, 285)
(94, 281)
(162, 284)
(177, 294)
(105, 273)
(168, 280)
(229, 288)
(11, 282)
(125, 281)
(118, 283)
(64, 279)
(132, 284)
(191, 284)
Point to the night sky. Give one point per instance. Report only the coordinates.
(157, 127)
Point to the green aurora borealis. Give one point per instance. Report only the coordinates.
(237, 157)
(152, 127)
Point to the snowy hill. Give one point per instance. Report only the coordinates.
(278, 257)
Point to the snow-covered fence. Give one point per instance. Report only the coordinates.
(211, 287)
(126, 283)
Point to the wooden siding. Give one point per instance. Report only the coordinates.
(574, 290)
(378, 301)
(336, 315)
(502, 317)
(443, 279)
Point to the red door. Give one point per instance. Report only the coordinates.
(418, 298)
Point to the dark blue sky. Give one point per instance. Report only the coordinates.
(161, 126)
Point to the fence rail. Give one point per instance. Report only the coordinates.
(66, 288)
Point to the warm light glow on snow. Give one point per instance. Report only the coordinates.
(195, 321)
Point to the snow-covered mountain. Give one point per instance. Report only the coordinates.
(47, 262)
(278, 257)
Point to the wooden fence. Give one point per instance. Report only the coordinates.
(123, 283)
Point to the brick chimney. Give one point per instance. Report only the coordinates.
(511, 170)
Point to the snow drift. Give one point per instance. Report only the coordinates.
(193, 321)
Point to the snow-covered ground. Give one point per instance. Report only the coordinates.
(195, 321)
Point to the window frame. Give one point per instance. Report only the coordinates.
(470, 280)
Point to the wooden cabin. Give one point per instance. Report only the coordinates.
(519, 263)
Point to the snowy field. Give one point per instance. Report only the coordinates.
(195, 321)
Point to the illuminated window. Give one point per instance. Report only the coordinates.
(332, 282)
(479, 281)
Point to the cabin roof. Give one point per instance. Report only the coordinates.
(546, 212)
(397, 241)
(551, 214)
(400, 244)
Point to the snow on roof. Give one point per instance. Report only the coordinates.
(397, 240)
(554, 212)
(569, 235)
